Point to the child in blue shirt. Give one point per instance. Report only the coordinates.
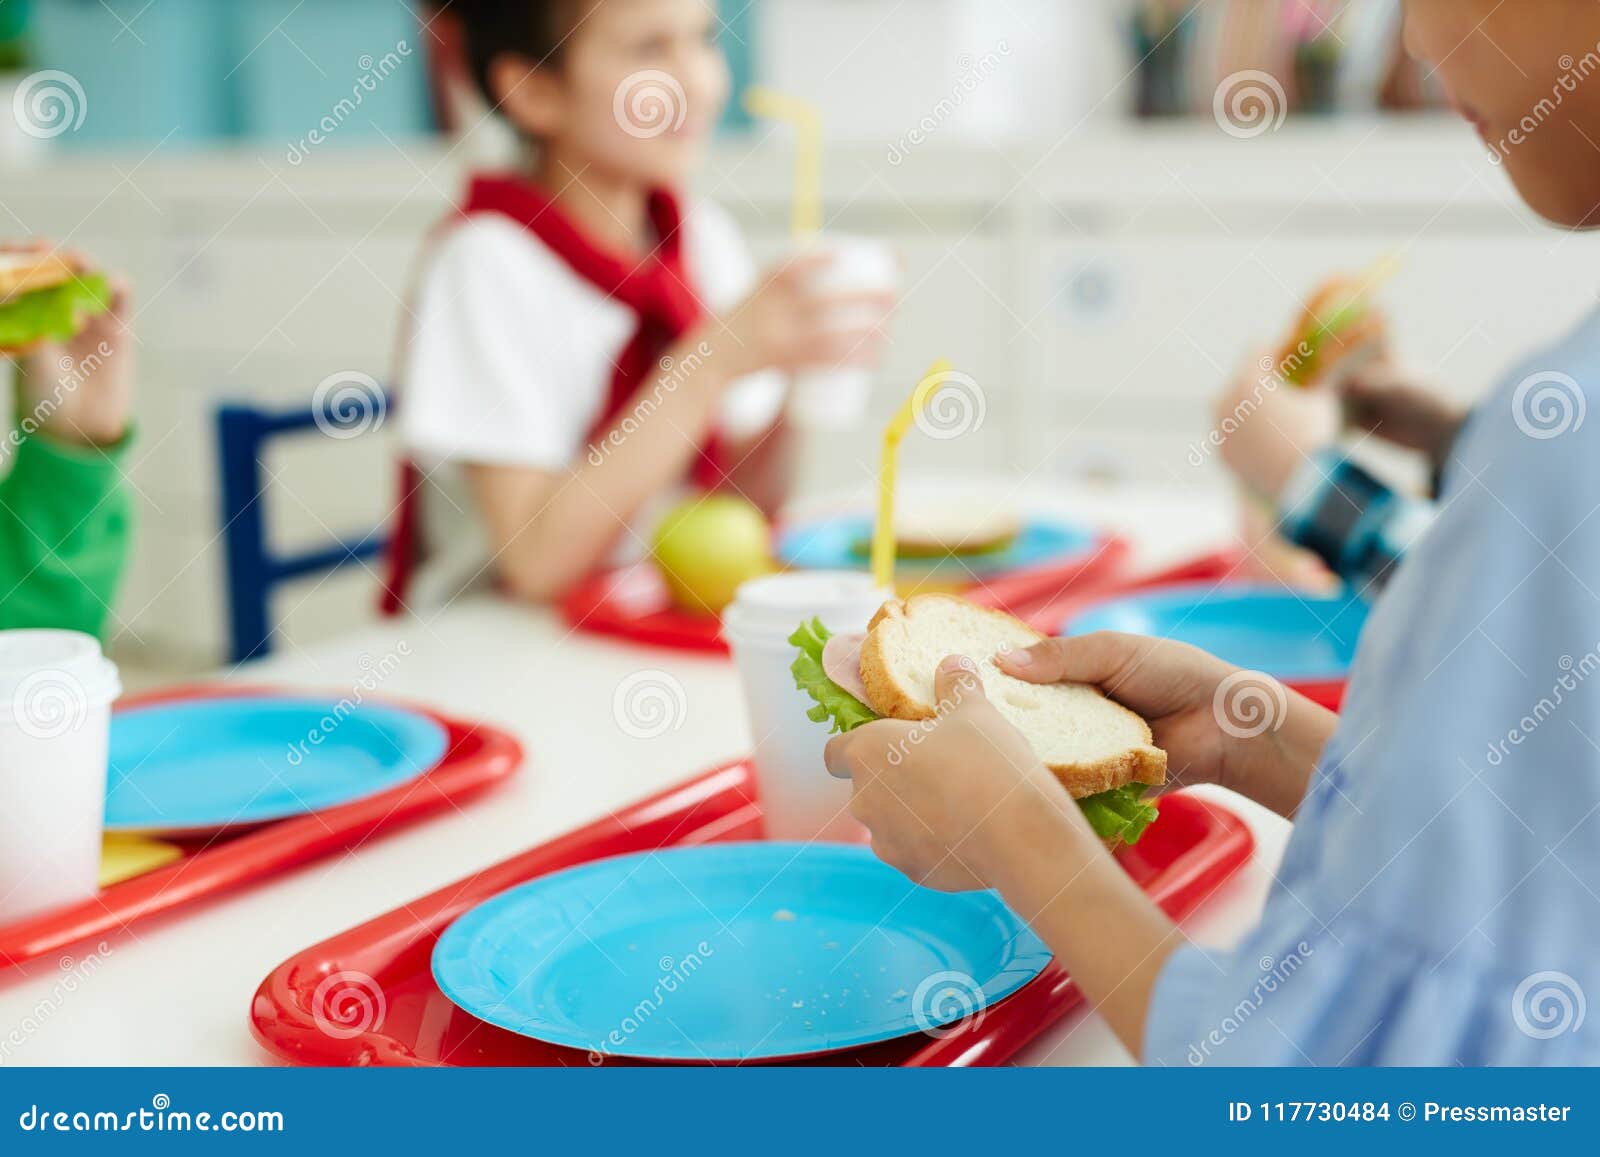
(1439, 897)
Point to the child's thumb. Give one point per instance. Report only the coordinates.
(956, 682)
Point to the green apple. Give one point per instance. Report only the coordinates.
(707, 546)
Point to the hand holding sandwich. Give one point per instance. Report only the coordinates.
(939, 795)
(1177, 689)
(1267, 429)
(962, 801)
(77, 386)
(1341, 372)
(943, 797)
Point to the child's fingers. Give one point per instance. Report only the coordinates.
(121, 296)
(1367, 335)
(856, 754)
(836, 757)
(1370, 331)
(862, 301)
(858, 348)
(1099, 659)
(956, 682)
(799, 268)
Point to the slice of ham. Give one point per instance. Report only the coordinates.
(841, 660)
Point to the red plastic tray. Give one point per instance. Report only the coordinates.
(632, 602)
(477, 756)
(1220, 566)
(367, 996)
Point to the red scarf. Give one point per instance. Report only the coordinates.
(657, 288)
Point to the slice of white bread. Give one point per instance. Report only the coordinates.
(1090, 743)
(22, 273)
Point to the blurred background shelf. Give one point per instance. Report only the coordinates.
(191, 73)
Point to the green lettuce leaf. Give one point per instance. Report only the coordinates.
(1119, 812)
(1341, 318)
(833, 703)
(56, 313)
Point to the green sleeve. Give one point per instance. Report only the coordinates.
(65, 526)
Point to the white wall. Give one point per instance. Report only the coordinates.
(1096, 291)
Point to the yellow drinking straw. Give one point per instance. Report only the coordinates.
(1372, 279)
(807, 122)
(883, 542)
(1380, 273)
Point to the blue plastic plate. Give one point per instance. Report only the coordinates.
(1287, 634)
(836, 544)
(203, 764)
(732, 952)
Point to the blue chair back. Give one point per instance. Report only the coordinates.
(254, 570)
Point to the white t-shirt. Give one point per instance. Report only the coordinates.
(512, 354)
(510, 363)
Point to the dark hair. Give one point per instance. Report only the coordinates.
(534, 29)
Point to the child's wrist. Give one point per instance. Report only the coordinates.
(1446, 432)
(1024, 830)
(85, 433)
(1275, 769)
(735, 356)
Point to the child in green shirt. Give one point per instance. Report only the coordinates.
(65, 521)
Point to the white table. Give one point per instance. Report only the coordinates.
(177, 991)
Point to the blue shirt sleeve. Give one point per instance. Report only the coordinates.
(1438, 899)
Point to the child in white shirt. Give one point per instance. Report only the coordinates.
(585, 337)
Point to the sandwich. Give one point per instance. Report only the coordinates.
(1101, 752)
(1340, 326)
(43, 297)
(930, 532)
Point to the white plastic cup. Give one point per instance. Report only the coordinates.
(837, 399)
(800, 800)
(56, 691)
